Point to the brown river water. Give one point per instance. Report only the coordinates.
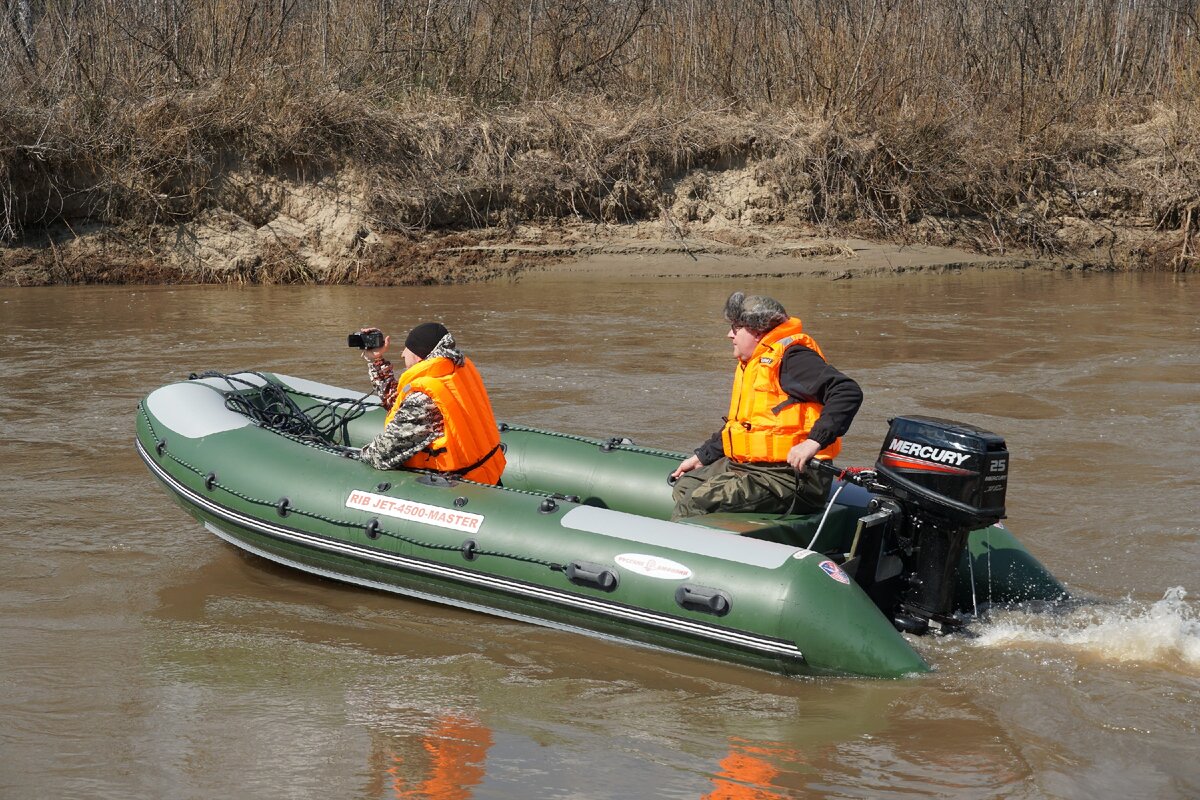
(142, 657)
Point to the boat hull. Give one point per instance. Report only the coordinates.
(512, 552)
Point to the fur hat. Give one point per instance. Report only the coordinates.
(423, 338)
(756, 313)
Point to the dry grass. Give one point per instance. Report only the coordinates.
(994, 125)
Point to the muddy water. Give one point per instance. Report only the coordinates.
(141, 657)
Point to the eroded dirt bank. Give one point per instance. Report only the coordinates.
(696, 193)
(105, 257)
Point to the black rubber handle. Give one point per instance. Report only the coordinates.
(703, 598)
(597, 576)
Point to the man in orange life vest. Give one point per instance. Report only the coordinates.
(788, 406)
(440, 416)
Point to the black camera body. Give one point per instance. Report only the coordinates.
(372, 340)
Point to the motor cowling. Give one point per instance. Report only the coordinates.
(949, 478)
(952, 470)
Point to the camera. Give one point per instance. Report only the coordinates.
(366, 341)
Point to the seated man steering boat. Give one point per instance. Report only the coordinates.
(788, 406)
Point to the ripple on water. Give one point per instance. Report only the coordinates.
(1013, 405)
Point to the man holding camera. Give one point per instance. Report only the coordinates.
(440, 417)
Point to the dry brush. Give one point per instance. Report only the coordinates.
(1055, 127)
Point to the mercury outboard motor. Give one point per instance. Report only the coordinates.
(935, 481)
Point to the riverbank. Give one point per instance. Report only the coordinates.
(482, 193)
(100, 255)
(441, 143)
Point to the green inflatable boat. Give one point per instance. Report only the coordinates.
(579, 536)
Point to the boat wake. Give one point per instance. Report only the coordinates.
(1166, 633)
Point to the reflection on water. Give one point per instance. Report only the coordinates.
(142, 657)
(446, 764)
(748, 771)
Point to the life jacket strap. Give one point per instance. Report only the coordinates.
(790, 401)
(478, 463)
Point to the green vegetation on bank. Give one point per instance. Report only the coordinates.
(1066, 129)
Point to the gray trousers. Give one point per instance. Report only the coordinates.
(726, 485)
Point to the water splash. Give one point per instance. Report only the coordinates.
(1166, 633)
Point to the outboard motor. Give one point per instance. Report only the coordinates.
(939, 480)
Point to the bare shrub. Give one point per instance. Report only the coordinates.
(994, 118)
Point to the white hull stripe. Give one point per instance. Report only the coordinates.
(749, 641)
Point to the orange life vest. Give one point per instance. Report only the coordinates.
(764, 423)
(470, 442)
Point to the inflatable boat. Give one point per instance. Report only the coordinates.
(579, 537)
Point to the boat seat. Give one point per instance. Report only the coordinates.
(796, 529)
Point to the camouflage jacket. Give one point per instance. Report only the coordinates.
(416, 424)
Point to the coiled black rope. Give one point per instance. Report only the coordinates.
(272, 405)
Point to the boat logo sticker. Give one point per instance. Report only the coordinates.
(412, 510)
(653, 566)
(835, 572)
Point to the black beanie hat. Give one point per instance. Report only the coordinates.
(423, 338)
